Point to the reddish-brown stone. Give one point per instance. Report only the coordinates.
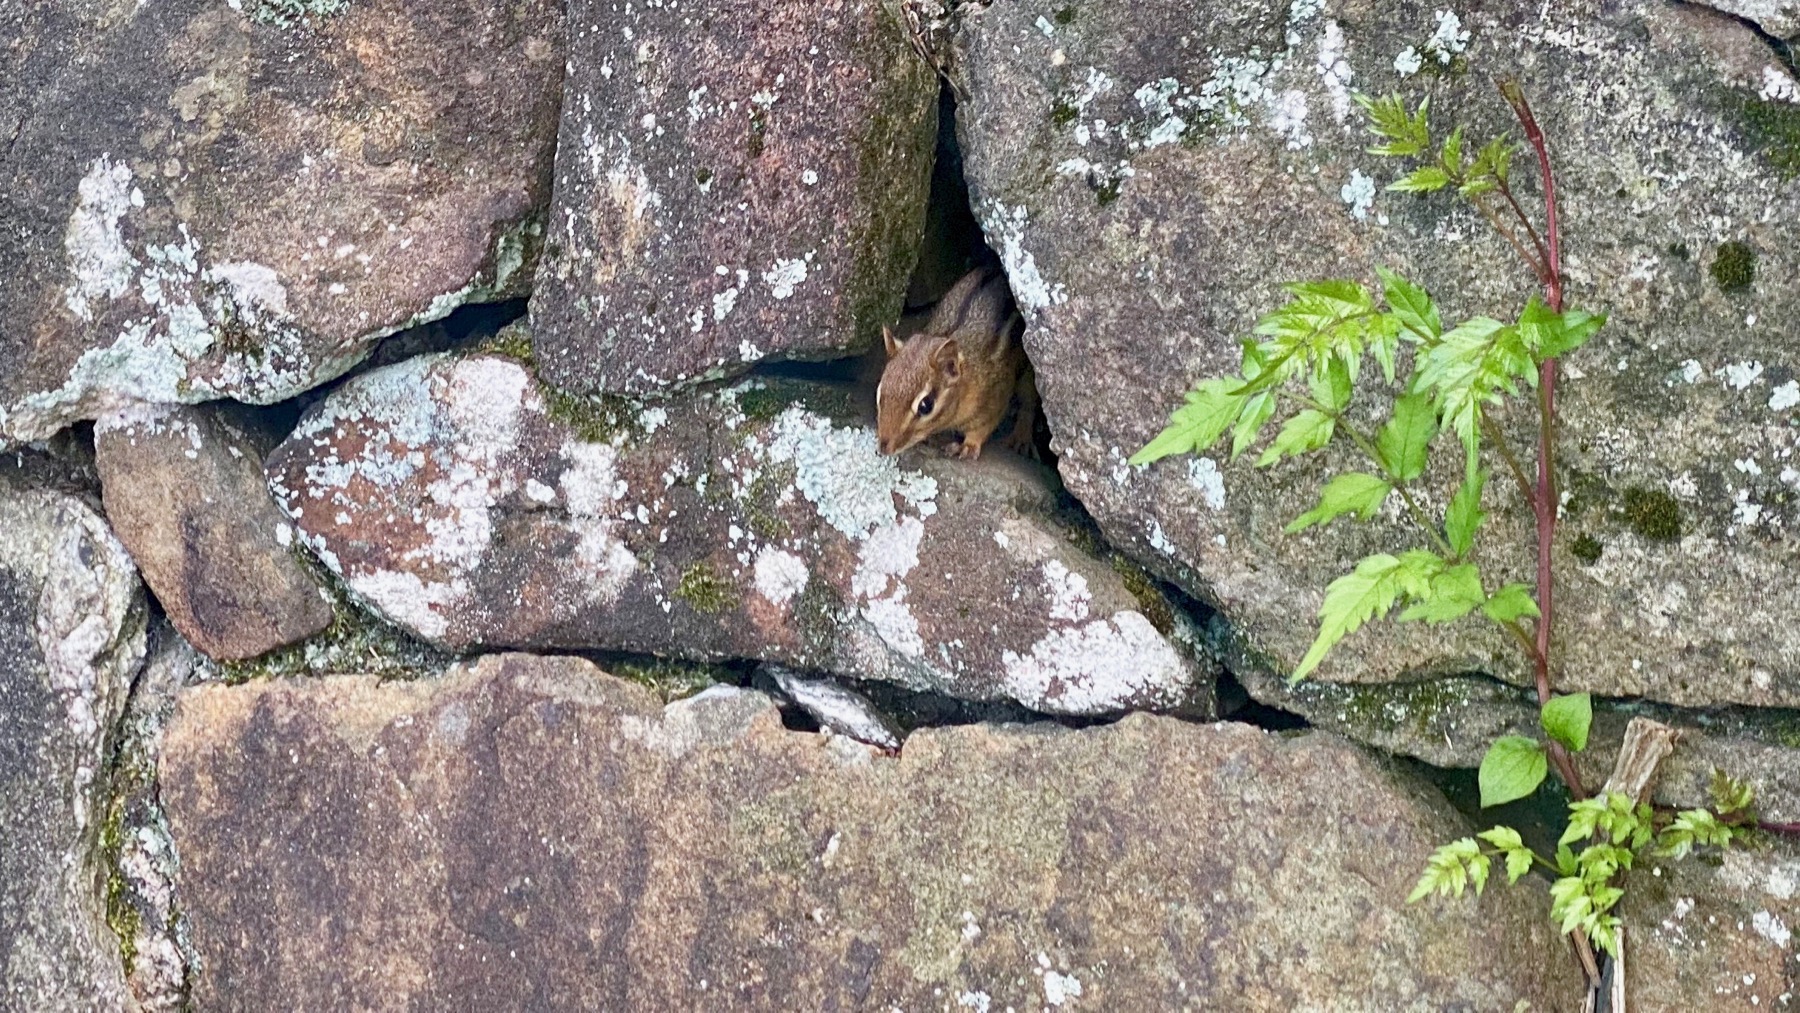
(741, 180)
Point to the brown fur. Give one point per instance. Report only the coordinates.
(965, 367)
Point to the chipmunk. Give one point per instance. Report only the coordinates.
(959, 373)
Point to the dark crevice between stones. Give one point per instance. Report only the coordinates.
(465, 328)
(1539, 817)
(133, 805)
(953, 245)
(1783, 50)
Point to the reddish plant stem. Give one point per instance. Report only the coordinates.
(1778, 828)
(1544, 498)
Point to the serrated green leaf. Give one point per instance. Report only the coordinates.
(1548, 334)
(1257, 410)
(1351, 493)
(1417, 569)
(1397, 149)
(1340, 296)
(1464, 515)
(1306, 431)
(1566, 719)
(1518, 856)
(1424, 179)
(1691, 828)
(1729, 795)
(1518, 863)
(1331, 385)
(1504, 838)
(1446, 870)
(1477, 186)
(1584, 820)
(1478, 872)
(1512, 769)
(1576, 327)
(1454, 593)
(1196, 425)
(1604, 933)
(1406, 135)
(1476, 363)
(1411, 306)
(1350, 601)
(1510, 603)
(1493, 160)
(1452, 151)
(1402, 443)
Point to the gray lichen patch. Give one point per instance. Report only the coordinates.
(288, 13)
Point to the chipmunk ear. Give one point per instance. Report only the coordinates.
(893, 344)
(948, 359)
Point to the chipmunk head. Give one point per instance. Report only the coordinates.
(918, 390)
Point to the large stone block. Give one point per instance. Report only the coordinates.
(531, 832)
(742, 180)
(237, 200)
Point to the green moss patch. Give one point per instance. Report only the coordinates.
(1149, 597)
(593, 417)
(1734, 267)
(1653, 515)
(1587, 549)
(1773, 129)
(356, 641)
(667, 678)
(514, 342)
(703, 589)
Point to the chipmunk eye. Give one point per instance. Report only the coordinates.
(925, 405)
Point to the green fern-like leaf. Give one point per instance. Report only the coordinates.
(1368, 592)
(1209, 410)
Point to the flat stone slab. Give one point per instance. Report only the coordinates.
(235, 200)
(473, 507)
(530, 827)
(747, 182)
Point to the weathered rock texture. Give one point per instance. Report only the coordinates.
(185, 491)
(234, 200)
(473, 507)
(1451, 721)
(71, 635)
(742, 182)
(1714, 935)
(1152, 172)
(531, 831)
(142, 867)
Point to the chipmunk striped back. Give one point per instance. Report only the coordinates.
(958, 374)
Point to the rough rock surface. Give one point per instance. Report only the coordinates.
(184, 489)
(235, 200)
(71, 635)
(1450, 722)
(1714, 935)
(745, 183)
(473, 507)
(530, 827)
(1152, 172)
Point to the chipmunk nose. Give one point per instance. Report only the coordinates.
(886, 446)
